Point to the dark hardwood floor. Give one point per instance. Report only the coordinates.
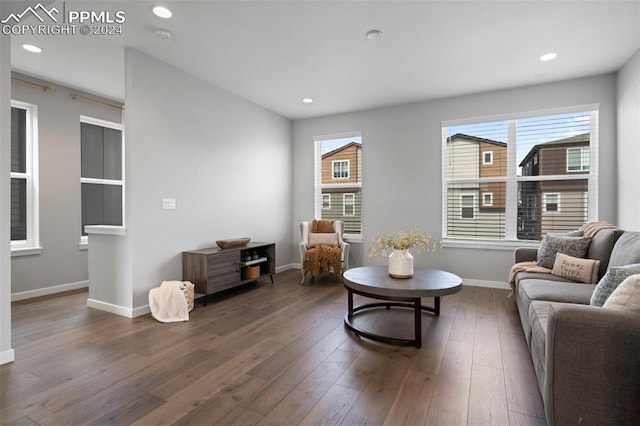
(269, 354)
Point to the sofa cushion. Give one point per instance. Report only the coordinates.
(601, 246)
(539, 318)
(557, 292)
(575, 268)
(626, 250)
(554, 243)
(612, 279)
(521, 276)
(626, 296)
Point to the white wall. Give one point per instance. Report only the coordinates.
(225, 160)
(402, 164)
(6, 353)
(62, 265)
(629, 144)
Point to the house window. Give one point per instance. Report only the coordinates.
(467, 204)
(487, 158)
(551, 203)
(102, 173)
(326, 201)
(541, 155)
(24, 178)
(349, 204)
(340, 169)
(338, 181)
(578, 159)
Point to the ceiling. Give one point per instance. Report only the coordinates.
(275, 53)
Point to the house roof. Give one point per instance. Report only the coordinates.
(342, 148)
(577, 140)
(476, 139)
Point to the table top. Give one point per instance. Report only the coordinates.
(424, 283)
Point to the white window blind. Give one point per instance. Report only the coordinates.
(541, 176)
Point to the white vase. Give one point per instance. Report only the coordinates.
(400, 264)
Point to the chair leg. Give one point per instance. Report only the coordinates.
(304, 275)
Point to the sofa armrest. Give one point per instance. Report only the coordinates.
(592, 369)
(523, 254)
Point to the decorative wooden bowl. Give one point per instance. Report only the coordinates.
(233, 242)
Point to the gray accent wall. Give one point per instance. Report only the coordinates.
(6, 352)
(225, 160)
(402, 163)
(62, 262)
(629, 144)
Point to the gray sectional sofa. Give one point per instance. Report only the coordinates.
(586, 358)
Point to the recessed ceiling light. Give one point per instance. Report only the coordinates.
(307, 100)
(162, 12)
(548, 57)
(31, 48)
(374, 34)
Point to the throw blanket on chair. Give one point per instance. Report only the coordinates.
(168, 303)
(319, 259)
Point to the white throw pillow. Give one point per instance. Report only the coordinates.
(626, 296)
(323, 239)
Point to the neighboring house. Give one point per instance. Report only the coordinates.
(554, 205)
(475, 204)
(342, 186)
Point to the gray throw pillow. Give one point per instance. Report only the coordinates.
(611, 280)
(559, 243)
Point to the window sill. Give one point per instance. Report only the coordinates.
(506, 245)
(83, 245)
(105, 230)
(26, 251)
(353, 239)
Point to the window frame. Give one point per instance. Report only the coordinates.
(341, 162)
(582, 168)
(473, 206)
(328, 204)
(510, 240)
(352, 204)
(545, 195)
(490, 203)
(84, 239)
(484, 162)
(31, 245)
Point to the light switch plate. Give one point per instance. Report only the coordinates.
(169, 204)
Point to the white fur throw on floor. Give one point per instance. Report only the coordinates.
(168, 303)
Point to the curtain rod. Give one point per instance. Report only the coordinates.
(96, 101)
(34, 84)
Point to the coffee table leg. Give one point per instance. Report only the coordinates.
(418, 322)
(350, 302)
(436, 309)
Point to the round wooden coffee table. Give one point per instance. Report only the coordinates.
(375, 282)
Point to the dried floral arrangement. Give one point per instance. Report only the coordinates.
(401, 240)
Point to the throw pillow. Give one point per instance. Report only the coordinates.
(576, 269)
(611, 280)
(323, 239)
(627, 296)
(554, 243)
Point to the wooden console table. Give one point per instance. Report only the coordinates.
(213, 270)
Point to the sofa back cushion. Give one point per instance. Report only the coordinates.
(626, 250)
(601, 246)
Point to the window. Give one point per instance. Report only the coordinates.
(487, 157)
(349, 204)
(542, 177)
(338, 181)
(24, 178)
(340, 169)
(551, 202)
(102, 173)
(577, 159)
(466, 206)
(326, 201)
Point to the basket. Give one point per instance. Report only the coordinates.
(188, 291)
(251, 272)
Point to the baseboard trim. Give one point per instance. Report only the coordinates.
(7, 356)
(296, 266)
(285, 268)
(484, 283)
(141, 310)
(111, 308)
(23, 295)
